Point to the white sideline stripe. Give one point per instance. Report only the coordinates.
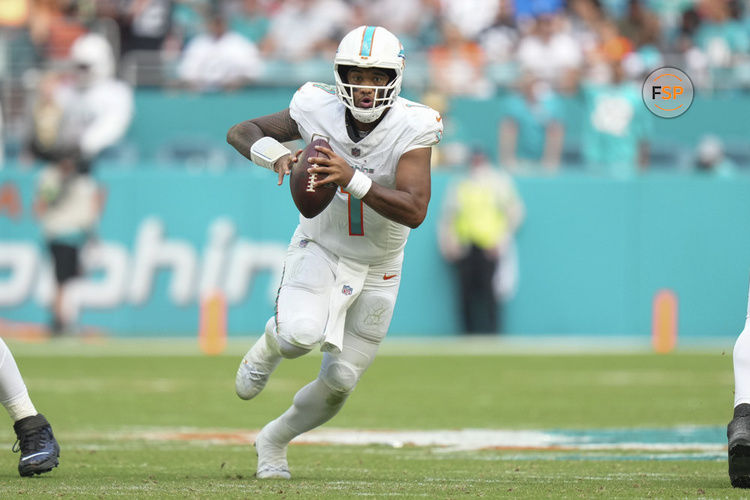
(447, 440)
(395, 346)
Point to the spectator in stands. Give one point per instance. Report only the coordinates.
(617, 124)
(457, 65)
(683, 42)
(219, 59)
(531, 131)
(611, 46)
(2, 138)
(684, 39)
(470, 17)
(584, 18)
(54, 26)
(480, 216)
(409, 18)
(640, 25)
(720, 36)
(710, 159)
(550, 53)
(81, 119)
(500, 39)
(144, 24)
(305, 29)
(250, 18)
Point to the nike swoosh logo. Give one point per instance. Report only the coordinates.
(438, 118)
(389, 276)
(34, 455)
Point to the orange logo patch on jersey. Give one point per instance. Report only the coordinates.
(389, 276)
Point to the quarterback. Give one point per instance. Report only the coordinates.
(343, 267)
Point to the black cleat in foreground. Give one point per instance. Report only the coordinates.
(738, 433)
(38, 446)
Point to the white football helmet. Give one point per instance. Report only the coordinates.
(369, 47)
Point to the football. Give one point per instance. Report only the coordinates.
(310, 200)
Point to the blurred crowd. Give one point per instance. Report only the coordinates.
(537, 52)
(468, 46)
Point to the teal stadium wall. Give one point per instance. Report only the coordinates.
(593, 251)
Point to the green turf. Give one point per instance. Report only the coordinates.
(94, 402)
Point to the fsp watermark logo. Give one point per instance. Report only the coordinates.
(667, 92)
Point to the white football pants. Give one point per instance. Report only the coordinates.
(741, 360)
(13, 393)
(302, 313)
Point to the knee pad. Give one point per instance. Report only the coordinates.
(340, 377)
(303, 332)
(371, 316)
(289, 350)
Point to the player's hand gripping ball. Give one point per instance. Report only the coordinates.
(310, 200)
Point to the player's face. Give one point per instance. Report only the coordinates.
(364, 97)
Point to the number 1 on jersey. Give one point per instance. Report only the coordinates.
(356, 215)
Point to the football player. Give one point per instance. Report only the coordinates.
(738, 430)
(343, 267)
(38, 447)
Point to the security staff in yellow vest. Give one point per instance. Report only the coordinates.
(480, 216)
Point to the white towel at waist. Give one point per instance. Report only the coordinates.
(350, 277)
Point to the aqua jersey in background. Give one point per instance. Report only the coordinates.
(532, 120)
(615, 122)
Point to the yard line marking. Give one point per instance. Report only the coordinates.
(701, 441)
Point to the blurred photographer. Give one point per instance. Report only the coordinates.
(68, 204)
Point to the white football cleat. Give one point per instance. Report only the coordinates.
(272, 462)
(255, 369)
(249, 380)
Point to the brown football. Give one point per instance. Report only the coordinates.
(310, 201)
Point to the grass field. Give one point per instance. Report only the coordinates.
(158, 420)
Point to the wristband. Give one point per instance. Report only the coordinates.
(266, 151)
(359, 185)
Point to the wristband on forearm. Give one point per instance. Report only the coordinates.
(359, 185)
(266, 151)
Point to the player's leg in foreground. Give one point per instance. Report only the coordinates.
(303, 308)
(367, 322)
(36, 442)
(313, 405)
(738, 431)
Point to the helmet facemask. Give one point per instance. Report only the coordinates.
(384, 96)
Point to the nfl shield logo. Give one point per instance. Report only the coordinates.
(347, 290)
(356, 152)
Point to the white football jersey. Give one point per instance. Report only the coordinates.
(348, 227)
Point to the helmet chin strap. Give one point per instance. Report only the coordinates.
(366, 115)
